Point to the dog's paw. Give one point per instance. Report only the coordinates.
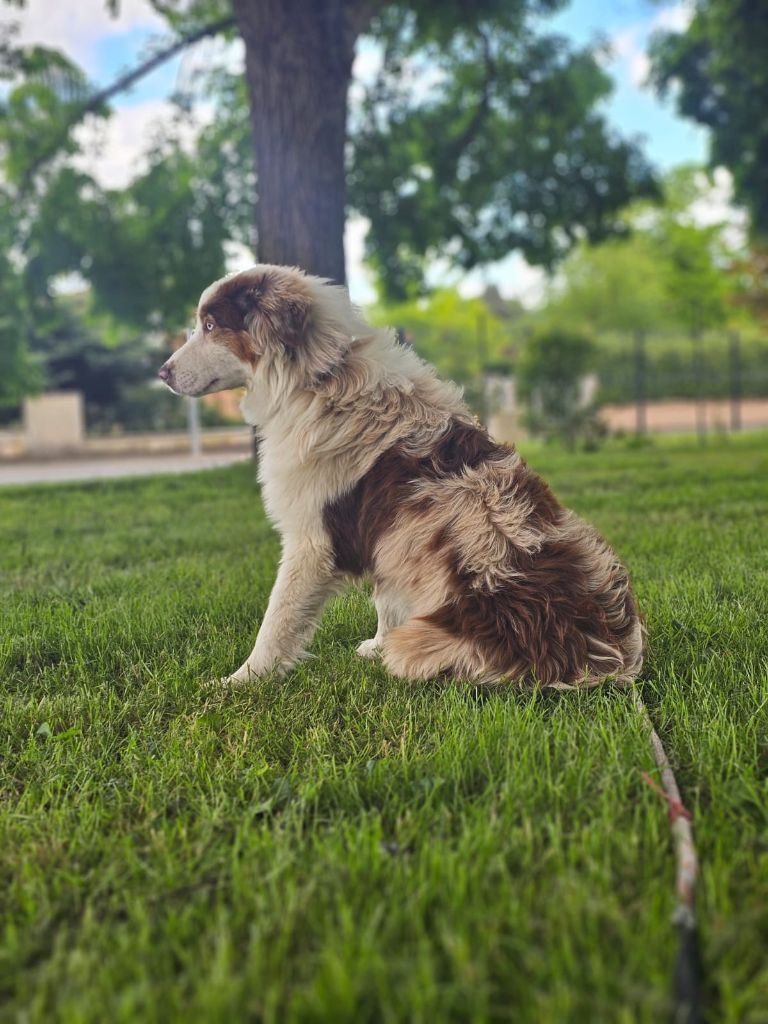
(236, 681)
(369, 648)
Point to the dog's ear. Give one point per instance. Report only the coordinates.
(274, 312)
(300, 319)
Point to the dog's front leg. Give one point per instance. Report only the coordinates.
(305, 580)
(391, 612)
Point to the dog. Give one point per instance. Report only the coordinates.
(370, 465)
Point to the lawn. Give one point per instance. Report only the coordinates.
(342, 846)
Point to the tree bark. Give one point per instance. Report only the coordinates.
(298, 66)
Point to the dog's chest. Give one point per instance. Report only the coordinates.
(294, 493)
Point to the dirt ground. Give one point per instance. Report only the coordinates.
(679, 415)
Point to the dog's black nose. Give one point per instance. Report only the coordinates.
(164, 372)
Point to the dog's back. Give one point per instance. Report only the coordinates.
(492, 578)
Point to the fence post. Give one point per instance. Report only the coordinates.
(482, 359)
(641, 418)
(735, 361)
(701, 408)
(193, 421)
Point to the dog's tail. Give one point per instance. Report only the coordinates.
(421, 649)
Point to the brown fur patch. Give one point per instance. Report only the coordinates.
(225, 311)
(547, 602)
(228, 313)
(260, 308)
(560, 615)
(356, 520)
(239, 343)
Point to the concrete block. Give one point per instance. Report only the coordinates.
(54, 422)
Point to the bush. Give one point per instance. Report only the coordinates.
(551, 373)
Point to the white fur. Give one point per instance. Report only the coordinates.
(328, 398)
(318, 438)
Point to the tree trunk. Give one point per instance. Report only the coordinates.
(298, 65)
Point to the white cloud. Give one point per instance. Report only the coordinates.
(213, 52)
(359, 279)
(115, 150)
(629, 47)
(513, 276)
(366, 65)
(674, 18)
(78, 26)
(715, 206)
(368, 60)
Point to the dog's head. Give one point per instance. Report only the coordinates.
(269, 315)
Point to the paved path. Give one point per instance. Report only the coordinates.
(58, 470)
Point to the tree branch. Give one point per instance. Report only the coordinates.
(120, 85)
(127, 80)
(457, 146)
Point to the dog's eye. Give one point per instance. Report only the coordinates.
(209, 325)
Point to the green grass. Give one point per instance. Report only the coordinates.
(342, 846)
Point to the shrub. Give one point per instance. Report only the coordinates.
(552, 374)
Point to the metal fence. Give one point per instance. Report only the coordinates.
(705, 369)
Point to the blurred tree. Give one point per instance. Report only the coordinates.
(145, 249)
(614, 286)
(550, 374)
(459, 336)
(749, 273)
(691, 257)
(717, 72)
(696, 287)
(68, 344)
(478, 136)
(151, 249)
(17, 371)
(669, 273)
(45, 89)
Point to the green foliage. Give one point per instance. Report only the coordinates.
(674, 368)
(146, 251)
(669, 278)
(616, 285)
(669, 273)
(47, 89)
(504, 151)
(343, 846)
(459, 336)
(149, 250)
(696, 289)
(749, 272)
(482, 138)
(44, 87)
(152, 248)
(111, 367)
(550, 374)
(17, 372)
(717, 72)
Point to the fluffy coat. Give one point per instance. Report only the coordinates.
(371, 465)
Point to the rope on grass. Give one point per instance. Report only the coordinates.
(686, 977)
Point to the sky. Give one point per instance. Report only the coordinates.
(105, 46)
